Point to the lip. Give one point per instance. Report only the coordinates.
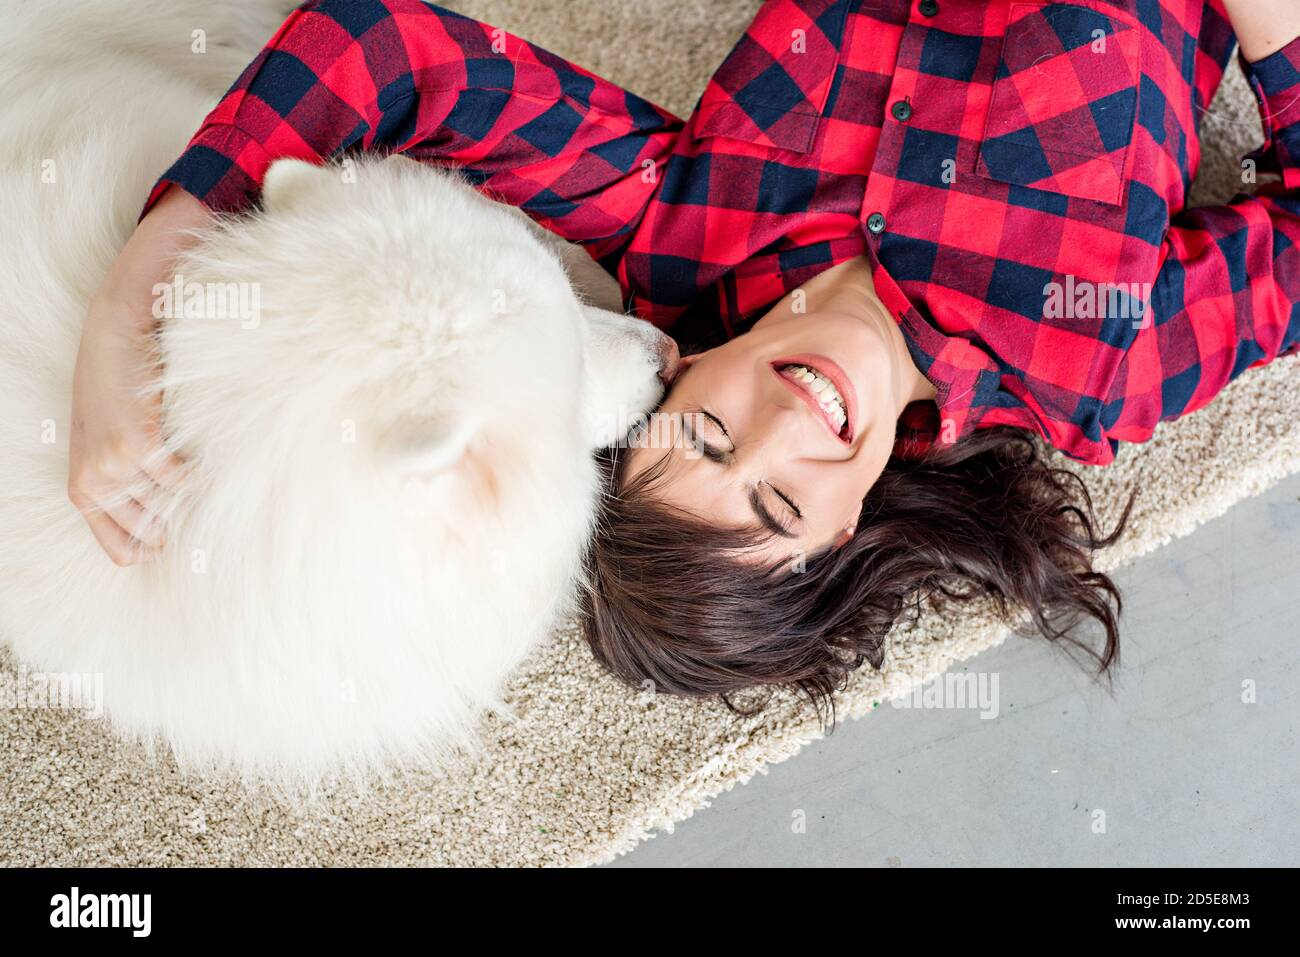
(829, 370)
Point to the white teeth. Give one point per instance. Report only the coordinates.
(828, 397)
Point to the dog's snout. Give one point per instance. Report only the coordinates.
(669, 359)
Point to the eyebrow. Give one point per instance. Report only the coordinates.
(764, 516)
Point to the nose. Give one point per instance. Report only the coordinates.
(773, 435)
(669, 358)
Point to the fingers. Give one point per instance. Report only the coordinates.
(164, 467)
(125, 526)
(116, 543)
(141, 525)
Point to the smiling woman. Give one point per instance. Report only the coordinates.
(738, 549)
(871, 434)
(798, 416)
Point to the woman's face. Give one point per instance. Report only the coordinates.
(787, 425)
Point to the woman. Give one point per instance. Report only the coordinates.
(894, 240)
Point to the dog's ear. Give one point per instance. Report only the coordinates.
(287, 179)
(622, 361)
(426, 446)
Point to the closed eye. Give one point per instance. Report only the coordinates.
(787, 499)
(723, 457)
(765, 516)
(711, 452)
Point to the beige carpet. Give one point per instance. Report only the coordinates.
(587, 769)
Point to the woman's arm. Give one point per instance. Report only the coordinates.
(1227, 297)
(1263, 26)
(575, 151)
(115, 427)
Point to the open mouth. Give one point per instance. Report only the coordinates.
(825, 387)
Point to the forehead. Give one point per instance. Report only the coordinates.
(688, 482)
(703, 490)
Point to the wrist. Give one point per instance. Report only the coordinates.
(1263, 27)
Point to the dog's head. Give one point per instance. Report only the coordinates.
(475, 299)
(391, 305)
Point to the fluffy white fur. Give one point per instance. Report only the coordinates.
(391, 478)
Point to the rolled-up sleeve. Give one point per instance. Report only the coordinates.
(1227, 296)
(576, 152)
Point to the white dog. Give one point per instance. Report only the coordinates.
(389, 427)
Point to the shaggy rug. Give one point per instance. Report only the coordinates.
(584, 769)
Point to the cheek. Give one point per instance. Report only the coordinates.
(841, 490)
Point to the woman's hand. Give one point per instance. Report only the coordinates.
(118, 466)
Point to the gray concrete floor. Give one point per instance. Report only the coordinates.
(1174, 769)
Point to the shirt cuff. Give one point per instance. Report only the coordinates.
(222, 167)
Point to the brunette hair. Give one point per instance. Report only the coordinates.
(666, 600)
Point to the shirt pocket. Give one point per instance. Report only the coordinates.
(1064, 101)
(773, 86)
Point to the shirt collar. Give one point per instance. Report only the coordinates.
(964, 376)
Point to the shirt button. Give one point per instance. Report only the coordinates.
(876, 223)
(902, 111)
(929, 8)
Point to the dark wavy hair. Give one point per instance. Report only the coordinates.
(666, 600)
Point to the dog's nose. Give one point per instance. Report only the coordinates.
(669, 359)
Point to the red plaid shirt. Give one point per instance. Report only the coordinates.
(1016, 171)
